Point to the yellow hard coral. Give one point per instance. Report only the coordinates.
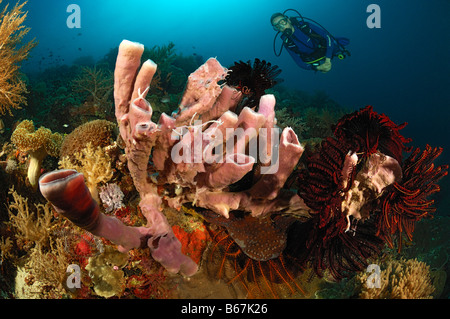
(38, 144)
(12, 31)
(95, 165)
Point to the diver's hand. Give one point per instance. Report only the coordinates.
(325, 67)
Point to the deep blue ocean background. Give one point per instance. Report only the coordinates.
(402, 68)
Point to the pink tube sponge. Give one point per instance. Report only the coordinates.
(210, 152)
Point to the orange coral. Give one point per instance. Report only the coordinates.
(12, 53)
(193, 243)
(38, 143)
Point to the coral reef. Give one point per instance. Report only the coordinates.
(94, 164)
(38, 144)
(12, 53)
(97, 132)
(194, 241)
(37, 241)
(175, 192)
(260, 239)
(142, 138)
(278, 277)
(401, 279)
(195, 181)
(111, 196)
(70, 197)
(106, 272)
(91, 150)
(30, 225)
(271, 216)
(53, 257)
(34, 232)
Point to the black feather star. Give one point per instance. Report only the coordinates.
(252, 80)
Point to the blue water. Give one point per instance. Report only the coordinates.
(402, 68)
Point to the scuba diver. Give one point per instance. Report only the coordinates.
(310, 45)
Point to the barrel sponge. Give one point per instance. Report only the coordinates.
(97, 132)
(27, 139)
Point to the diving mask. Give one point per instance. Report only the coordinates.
(280, 25)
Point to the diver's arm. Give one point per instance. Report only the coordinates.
(298, 60)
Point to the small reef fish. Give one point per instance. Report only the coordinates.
(165, 99)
